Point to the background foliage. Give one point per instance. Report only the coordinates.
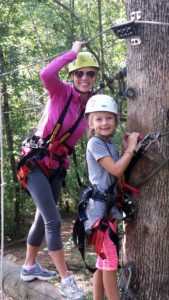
(30, 33)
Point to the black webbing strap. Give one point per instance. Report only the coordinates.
(132, 163)
(79, 238)
(72, 129)
(39, 153)
(58, 125)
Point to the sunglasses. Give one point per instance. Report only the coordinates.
(80, 74)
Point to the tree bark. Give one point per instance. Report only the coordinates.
(146, 238)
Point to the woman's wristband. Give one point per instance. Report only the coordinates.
(129, 152)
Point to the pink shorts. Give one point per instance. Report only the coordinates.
(110, 262)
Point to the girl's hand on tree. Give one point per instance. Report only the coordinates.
(132, 140)
(77, 46)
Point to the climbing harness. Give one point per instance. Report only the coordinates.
(95, 235)
(48, 146)
(122, 201)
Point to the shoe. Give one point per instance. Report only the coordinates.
(36, 273)
(70, 290)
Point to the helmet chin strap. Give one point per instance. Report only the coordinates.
(85, 93)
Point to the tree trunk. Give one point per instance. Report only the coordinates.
(102, 64)
(9, 136)
(147, 238)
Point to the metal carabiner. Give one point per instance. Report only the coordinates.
(151, 139)
(125, 279)
(146, 142)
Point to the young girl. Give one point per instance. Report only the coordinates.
(42, 172)
(104, 167)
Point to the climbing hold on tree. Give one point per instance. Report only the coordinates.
(130, 92)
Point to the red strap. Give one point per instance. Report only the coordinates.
(24, 170)
(22, 174)
(43, 167)
(60, 148)
(131, 188)
(96, 239)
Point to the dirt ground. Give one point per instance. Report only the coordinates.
(16, 253)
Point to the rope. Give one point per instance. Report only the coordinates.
(152, 173)
(162, 164)
(163, 134)
(2, 198)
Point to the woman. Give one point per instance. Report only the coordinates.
(45, 160)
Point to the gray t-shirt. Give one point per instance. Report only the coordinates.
(96, 149)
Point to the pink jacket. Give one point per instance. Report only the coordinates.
(59, 92)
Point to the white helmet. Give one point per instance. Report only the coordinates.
(101, 103)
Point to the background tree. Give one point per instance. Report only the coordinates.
(147, 242)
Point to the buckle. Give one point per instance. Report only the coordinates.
(105, 197)
(103, 225)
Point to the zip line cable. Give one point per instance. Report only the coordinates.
(97, 35)
(151, 22)
(160, 166)
(2, 197)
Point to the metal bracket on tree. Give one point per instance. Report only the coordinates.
(129, 29)
(135, 15)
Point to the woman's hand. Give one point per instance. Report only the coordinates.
(77, 46)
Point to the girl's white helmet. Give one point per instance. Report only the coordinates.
(101, 103)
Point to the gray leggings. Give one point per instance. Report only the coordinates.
(47, 218)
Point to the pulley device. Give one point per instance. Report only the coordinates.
(125, 30)
(122, 31)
